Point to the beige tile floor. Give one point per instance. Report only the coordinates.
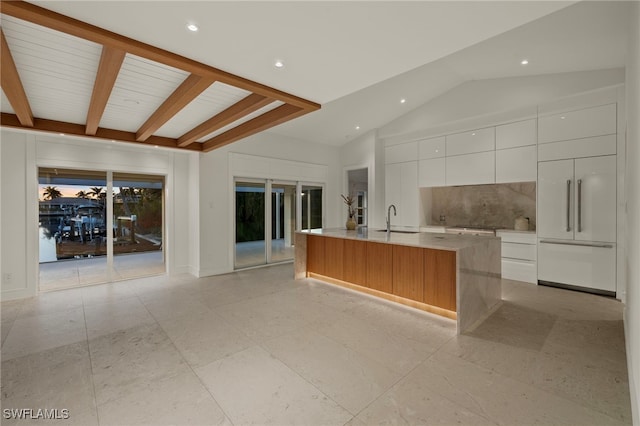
(256, 347)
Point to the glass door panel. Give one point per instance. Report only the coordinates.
(250, 247)
(138, 211)
(72, 228)
(283, 221)
(311, 207)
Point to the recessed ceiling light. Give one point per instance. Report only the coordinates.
(524, 62)
(61, 134)
(357, 127)
(192, 27)
(403, 100)
(563, 117)
(278, 64)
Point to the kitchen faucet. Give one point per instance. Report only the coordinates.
(389, 217)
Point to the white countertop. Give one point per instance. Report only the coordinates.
(451, 242)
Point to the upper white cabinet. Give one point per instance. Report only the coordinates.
(516, 164)
(431, 172)
(401, 153)
(594, 121)
(401, 190)
(513, 135)
(470, 142)
(431, 148)
(576, 148)
(471, 169)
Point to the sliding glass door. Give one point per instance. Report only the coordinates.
(72, 228)
(250, 246)
(265, 226)
(138, 210)
(283, 221)
(88, 237)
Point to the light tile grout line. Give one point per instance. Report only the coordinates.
(93, 383)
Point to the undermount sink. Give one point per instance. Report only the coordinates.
(399, 232)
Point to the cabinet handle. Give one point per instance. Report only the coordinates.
(579, 205)
(598, 245)
(568, 205)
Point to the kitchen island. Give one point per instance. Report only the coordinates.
(455, 276)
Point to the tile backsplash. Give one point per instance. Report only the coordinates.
(495, 205)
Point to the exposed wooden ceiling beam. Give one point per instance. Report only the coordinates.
(52, 126)
(236, 111)
(12, 85)
(265, 121)
(108, 69)
(190, 88)
(47, 18)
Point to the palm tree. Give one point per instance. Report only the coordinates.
(96, 192)
(51, 192)
(82, 194)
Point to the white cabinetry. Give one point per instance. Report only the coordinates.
(401, 190)
(513, 135)
(577, 222)
(401, 153)
(516, 164)
(431, 166)
(431, 172)
(519, 256)
(516, 152)
(431, 148)
(583, 123)
(473, 141)
(471, 169)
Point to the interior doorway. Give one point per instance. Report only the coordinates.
(358, 188)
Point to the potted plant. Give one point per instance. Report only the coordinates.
(349, 200)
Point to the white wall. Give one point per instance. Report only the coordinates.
(216, 190)
(18, 150)
(515, 96)
(24, 152)
(632, 311)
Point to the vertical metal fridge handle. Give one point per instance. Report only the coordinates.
(568, 205)
(579, 205)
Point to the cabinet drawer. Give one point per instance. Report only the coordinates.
(519, 270)
(519, 251)
(576, 265)
(469, 142)
(431, 148)
(595, 121)
(517, 237)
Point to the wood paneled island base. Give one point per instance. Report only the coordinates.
(457, 277)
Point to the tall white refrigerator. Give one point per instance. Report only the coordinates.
(577, 223)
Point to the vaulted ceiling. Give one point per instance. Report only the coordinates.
(66, 76)
(154, 82)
